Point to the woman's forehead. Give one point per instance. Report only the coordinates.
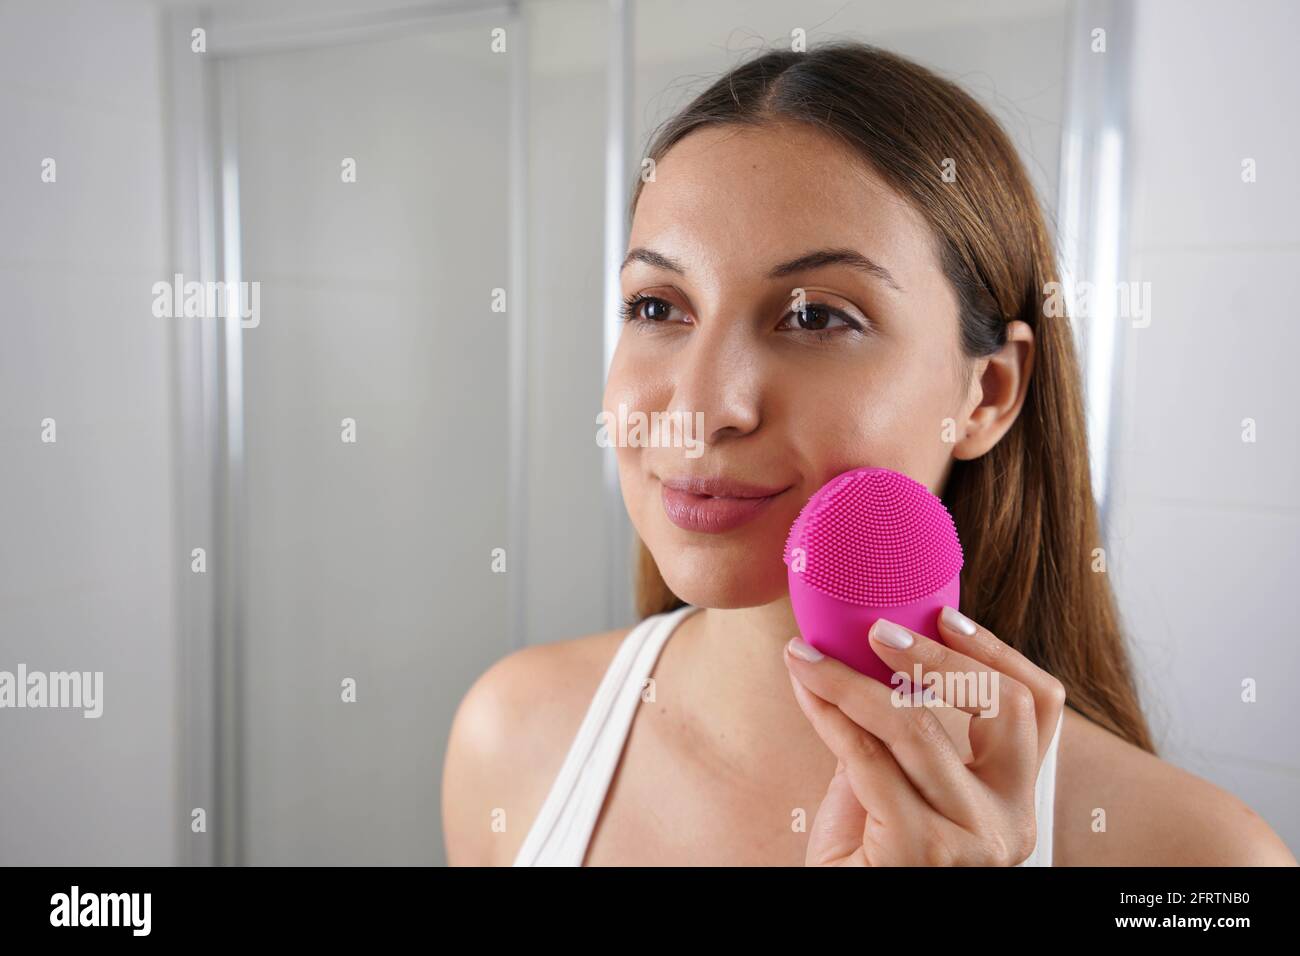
(765, 194)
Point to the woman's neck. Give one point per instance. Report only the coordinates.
(731, 666)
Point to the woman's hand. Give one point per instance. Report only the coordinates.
(901, 795)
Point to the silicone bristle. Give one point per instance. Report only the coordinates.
(876, 538)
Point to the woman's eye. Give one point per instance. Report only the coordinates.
(820, 318)
(641, 308)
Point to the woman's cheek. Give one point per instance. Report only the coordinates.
(880, 428)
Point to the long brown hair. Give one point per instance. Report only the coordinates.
(1024, 510)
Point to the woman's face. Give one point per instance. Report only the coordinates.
(734, 222)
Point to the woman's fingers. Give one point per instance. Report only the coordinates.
(1006, 739)
(864, 722)
(1012, 719)
(983, 645)
(917, 801)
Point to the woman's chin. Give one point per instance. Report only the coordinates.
(722, 586)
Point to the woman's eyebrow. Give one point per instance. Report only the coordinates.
(829, 257)
(809, 260)
(652, 258)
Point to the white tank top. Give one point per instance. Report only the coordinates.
(564, 825)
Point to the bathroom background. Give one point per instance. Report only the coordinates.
(204, 534)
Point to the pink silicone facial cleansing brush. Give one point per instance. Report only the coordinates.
(871, 543)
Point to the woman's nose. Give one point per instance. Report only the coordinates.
(719, 377)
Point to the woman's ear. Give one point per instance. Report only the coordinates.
(998, 389)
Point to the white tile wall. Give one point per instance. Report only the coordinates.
(86, 555)
(1206, 529)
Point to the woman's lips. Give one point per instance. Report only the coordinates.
(688, 507)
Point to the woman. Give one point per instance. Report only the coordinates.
(839, 261)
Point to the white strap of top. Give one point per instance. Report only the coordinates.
(564, 825)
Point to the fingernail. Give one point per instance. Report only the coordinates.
(958, 621)
(804, 651)
(890, 634)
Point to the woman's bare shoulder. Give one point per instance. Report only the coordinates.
(1118, 805)
(509, 737)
